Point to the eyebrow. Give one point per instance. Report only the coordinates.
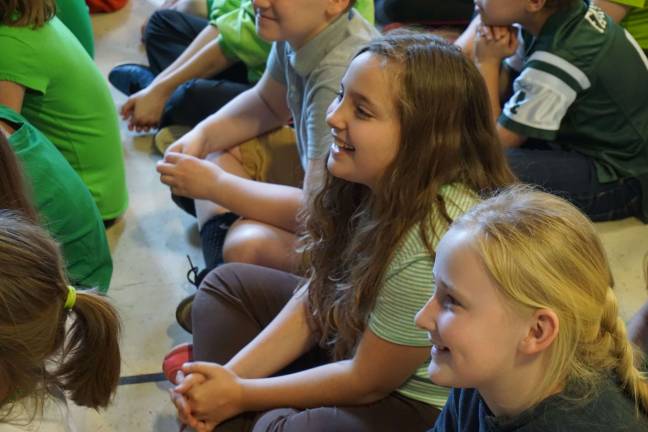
(451, 290)
(360, 98)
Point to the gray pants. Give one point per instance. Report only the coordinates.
(235, 302)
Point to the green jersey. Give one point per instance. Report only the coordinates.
(582, 85)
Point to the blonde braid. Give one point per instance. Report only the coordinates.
(622, 354)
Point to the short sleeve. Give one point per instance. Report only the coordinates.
(542, 94)
(18, 67)
(275, 66)
(318, 133)
(405, 291)
(239, 40)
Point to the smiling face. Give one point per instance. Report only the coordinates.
(475, 332)
(295, 21)
(364, 122)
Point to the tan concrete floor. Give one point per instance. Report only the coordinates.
(150, 243)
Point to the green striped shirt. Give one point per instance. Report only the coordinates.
(408, 286)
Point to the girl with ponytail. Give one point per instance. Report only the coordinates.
(53, 339)
(524, 323)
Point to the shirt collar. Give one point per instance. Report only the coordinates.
(306, 59)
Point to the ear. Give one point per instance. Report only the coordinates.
(543, 329)
(533, 6)
(336, 7)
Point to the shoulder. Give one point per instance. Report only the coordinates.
(609, 410)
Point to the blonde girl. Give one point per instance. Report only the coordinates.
(52, 338)
(524, 323)
(343, 352)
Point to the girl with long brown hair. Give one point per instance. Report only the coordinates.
(414, 147)
(53, 339)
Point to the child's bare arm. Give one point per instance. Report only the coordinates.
(260, 109)
(203, 58)
(11, 95)
(492, 46)
(616, 11)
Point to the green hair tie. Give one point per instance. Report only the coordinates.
(71, 297)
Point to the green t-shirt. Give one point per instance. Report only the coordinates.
(76, 16)
(238, 38)
(68, 100)
(408, 285)
(636, 21)
(64, 205)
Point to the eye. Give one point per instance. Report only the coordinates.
(449, 302)
(362, 113)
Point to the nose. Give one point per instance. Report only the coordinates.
(334, 117)
(426, 318)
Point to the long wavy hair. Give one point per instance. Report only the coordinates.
(22, 13)
(543, 253)
(447, 136)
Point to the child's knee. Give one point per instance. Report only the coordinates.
(247, 244)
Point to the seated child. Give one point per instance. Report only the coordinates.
(524, 323)
(46, 76)
(261, 180)
(576, 123)
(52, 338)
(76, 16)
(64, 205)
(631, 14)
(342, 352)
(196, 66)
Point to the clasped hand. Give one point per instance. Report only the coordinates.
(188, 175)
(143, 110)
(494, 43)
(208, 395)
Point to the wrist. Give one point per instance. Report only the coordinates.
(163, 86)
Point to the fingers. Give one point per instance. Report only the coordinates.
(190, 381)
(204, 368)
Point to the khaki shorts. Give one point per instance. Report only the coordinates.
(273, 158)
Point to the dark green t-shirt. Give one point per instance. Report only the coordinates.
(64, 205)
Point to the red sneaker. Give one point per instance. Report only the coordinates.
(174, 360)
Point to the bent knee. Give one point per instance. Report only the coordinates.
(247, 245)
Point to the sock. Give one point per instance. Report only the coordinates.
(213, 234)
(186, 204)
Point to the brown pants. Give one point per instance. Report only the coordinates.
(235, 302)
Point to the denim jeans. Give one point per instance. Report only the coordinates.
(168, 34)
(572, 175)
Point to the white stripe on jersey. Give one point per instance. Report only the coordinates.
(636, 46)
(540, 100)
(564, 65)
